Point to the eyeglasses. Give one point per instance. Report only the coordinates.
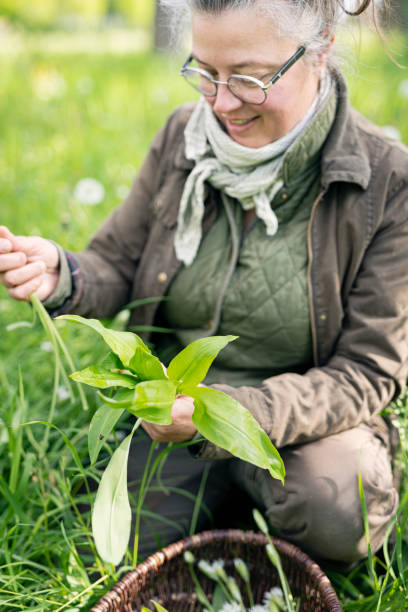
(245, 88)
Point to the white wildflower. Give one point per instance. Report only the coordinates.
(259, 608)
(46, 347)
(271, 594)
(391, 131)
(62, 393)
(210, 569)
(403, 89)
(231, 607)
(89, 191)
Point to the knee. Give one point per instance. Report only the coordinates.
(320, 509)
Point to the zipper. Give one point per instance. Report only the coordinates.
(309, 276)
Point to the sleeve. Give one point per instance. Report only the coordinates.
(368, 368)
(106, 268)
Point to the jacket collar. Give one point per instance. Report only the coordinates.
(343, 157)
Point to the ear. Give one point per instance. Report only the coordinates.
(324, 55)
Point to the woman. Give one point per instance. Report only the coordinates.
(273, 211)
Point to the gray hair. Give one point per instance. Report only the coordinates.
(310, 21)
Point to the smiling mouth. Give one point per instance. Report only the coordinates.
(241, 121)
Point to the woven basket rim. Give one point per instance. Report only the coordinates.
(124, 590)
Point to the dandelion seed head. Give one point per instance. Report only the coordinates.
(89, 191)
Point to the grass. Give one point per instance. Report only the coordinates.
(65, 116)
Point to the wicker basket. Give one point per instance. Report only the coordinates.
(165, 577)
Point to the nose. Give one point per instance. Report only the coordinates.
(225, 101)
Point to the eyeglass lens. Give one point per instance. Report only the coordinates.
(245, 89)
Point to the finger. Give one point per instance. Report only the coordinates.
(23, 292)
(5, 245)
(12, 260)
(5, 233)
(21, 275)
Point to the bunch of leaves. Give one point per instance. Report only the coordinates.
(148, 391)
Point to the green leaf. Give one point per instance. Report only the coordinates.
(112, 362)
(99, 377)
(122, 343)
(103, 421)
(158, 607)
(151, 400)
(146, 365)
(191, 365)
(226, 423)
(111, 514)
(219, 598)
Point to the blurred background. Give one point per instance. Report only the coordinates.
(84, 86)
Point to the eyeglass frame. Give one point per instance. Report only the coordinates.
(264, 86)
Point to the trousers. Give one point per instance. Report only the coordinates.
(318, 508)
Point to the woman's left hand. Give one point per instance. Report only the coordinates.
(182, 427)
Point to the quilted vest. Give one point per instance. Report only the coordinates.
(251, 285)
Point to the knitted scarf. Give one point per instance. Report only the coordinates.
(251, 176)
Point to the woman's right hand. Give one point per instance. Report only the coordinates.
(28, 264)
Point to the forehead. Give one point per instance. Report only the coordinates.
(238, 37)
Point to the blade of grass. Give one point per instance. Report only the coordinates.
(371, 568)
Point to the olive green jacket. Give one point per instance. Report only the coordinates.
(357, 274)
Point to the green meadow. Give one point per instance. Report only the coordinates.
(88, 107)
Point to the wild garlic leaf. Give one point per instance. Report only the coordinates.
(112, 362)
(190, 366)
(111, 514)
(226, 423)
(158, 607)
(103, 422)
(146, 365)
(151, 400)
(102, 378)
(122, 343)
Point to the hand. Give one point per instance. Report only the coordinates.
(28, 264)
(182, 427)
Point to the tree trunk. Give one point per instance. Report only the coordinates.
(164, 41)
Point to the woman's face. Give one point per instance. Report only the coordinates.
(244, 42)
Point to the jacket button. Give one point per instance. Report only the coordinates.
(162, 278)
(284, 196)
(323, 317)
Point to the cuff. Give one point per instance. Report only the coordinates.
(64, 288)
